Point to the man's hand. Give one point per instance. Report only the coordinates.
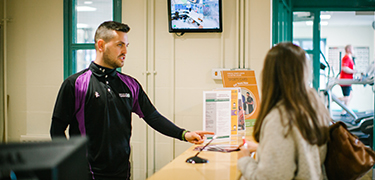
(197, 137)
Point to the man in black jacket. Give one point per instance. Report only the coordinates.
(98, 102)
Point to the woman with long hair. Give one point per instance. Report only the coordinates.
(292, 125)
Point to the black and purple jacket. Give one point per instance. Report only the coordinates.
(98, 103)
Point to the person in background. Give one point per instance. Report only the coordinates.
(291, 131)
(244, 103)
(347, 71)
(241, 118)
(98, 102)
(250, 103)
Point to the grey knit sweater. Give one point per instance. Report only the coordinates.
(283, 157)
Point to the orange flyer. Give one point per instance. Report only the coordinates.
(246, 80)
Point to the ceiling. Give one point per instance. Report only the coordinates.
(100, 10)
(338, 18)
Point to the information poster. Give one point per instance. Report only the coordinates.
(216, 114)
(237, 112)
(246, 80)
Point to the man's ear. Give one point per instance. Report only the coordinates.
(100, 45)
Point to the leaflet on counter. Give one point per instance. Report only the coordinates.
(217, 114)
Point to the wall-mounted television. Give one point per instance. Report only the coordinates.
(195, 16)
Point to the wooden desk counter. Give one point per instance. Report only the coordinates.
(220, 166)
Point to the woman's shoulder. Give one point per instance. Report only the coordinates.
(277, 113)
(273, 115)
(275, 119)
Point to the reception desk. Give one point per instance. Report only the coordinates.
(220, 166)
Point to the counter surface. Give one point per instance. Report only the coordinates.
(220, 166)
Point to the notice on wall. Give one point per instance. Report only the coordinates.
(216, 114)
(246, 80)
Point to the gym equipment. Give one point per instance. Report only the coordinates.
(360, 124)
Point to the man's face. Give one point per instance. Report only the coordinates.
(116, 50)
(350, 50)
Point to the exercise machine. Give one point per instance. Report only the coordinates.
(360, 123)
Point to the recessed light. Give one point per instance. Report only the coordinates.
(80, 25)
(87, 2)
(325, 16)
(85, 8)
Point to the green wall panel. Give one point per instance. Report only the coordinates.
(332, 5)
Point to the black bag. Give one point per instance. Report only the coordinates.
(347, 157)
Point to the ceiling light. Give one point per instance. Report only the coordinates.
(302, 14)
(85, 8)
(87, 2)
(324, 23)
(325, 16)
(80, 25)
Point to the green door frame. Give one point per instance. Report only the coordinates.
(282, 21)
(70, 20)
(316, 49)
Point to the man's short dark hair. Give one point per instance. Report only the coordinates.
(105, 29)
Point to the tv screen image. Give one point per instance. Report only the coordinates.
(194, 15)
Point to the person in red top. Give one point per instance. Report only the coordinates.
(347, 71)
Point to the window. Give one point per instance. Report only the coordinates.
(81, 18)
(307, 44)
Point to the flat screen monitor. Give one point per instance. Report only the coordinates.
(195, 16)
(59, 159)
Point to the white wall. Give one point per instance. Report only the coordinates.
(182, 67)
(34, 64)
(2, 73)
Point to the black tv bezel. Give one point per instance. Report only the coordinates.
(213, 30)
(60, 159)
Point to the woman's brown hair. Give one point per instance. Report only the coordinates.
(284, 79)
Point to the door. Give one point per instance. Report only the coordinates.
(282, 21)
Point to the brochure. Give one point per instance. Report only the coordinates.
(219, 148)
(237, 112)
(217, 114)
(246, 80)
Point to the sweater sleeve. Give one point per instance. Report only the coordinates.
(275, 155)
